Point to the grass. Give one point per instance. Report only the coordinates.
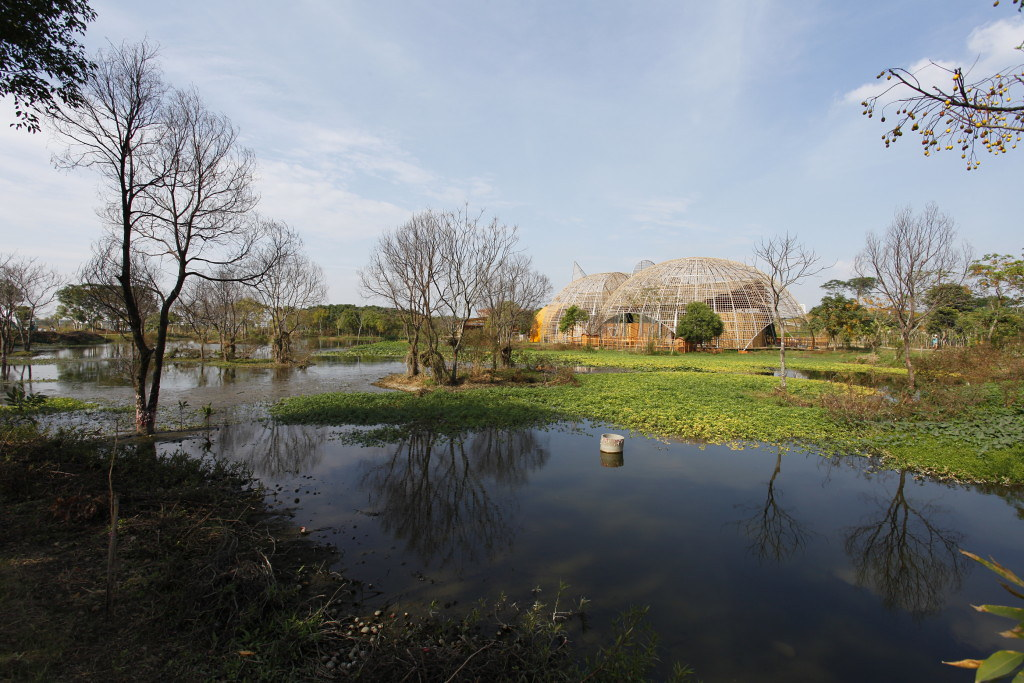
(49, 404)
(384, 349)
(714, 408)
(729, 361)
(198, 571)
(965, 425)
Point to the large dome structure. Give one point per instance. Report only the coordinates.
(647, 305)
(589, 292)
(655, 298)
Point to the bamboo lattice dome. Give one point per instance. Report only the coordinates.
(656, 297)
(589, 293)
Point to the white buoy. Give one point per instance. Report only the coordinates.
(612, 443)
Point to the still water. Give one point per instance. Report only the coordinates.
(97, 373)
(757, 564)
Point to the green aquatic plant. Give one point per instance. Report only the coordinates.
(386, 349)
(728, 362)
(1003, 664)
(23, 400)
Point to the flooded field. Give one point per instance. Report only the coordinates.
(96, 373)
(758, 564)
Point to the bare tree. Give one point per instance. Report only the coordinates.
(471, 253)
(39, 288)
(195, 310)
(104, 292)
(436, 270)
(786, 262)
(905, 555)
(179, 190)
(951, 114)
(402, 269)
(291, 283)
(25, 286)
(223, 305)
(10, 299)
(916, 253)
(515, 291)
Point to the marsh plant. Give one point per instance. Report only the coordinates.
(1003, 664)
(23, 400)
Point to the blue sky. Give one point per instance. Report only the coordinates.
(609, 132)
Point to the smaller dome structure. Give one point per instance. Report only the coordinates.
(589, 293)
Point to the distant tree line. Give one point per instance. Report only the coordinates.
(227, 313)
(988, 307)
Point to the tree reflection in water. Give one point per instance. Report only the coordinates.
(775, 534)
(440, 494)
(271, 449)
(903, 555)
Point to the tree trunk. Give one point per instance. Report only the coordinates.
(908, 361)
(781, 331)
(782, 363)
(412, 357)
(454, 377)
(282, 346)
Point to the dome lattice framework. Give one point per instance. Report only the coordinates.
(649, 303)
(589, 292)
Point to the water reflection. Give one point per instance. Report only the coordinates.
(270, 450)
(612, 459)
(432, 518)
(774, 532)
(442, 495)
(904, 555)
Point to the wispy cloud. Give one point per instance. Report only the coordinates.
(665, 213)
(988, 50)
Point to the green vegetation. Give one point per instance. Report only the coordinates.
(385, 349)
(573, 316)
(965, 424)
(20, 401)
(700, 324)
(715, 408)
(444, 412)
(733, 362)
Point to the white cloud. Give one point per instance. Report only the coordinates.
(989, 50)
(317, 203)
(665, 213)
(996, 44)
(48, 214)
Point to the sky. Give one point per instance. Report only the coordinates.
(608, 132)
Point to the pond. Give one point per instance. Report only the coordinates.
(757, 564)
(96, 373)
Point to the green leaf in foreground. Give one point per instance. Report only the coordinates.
(999, 665)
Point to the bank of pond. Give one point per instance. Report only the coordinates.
(807, 535)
